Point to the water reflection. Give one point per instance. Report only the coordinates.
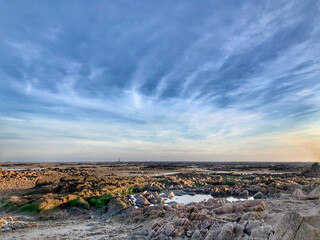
(185, 199)
(233, 199)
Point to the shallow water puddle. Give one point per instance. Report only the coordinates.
(186, 199)
(233, 199)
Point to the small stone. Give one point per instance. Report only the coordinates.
(171, 195)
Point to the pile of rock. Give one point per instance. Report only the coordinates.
(213, 219)
(8, 224)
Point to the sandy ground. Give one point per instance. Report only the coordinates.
(72, 229)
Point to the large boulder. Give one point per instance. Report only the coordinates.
(226, 232)
(294, 226)
(299, 194)
(115, 206)
(244, 194)
(50, 203)
(254, 206)
(261, 232)
(315, 193)
(224, 209)
(142, 201)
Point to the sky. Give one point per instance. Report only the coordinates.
(160, 80)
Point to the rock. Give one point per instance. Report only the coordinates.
(41, 182)
(293, 186)
(69, 197)
(315, 193)
(244, 194)
(251, 224)
(157, 200)
(179, 231)
(142, 201)
(115, 206)
(224, 209)
(226, 232)
(309, 228)
(254, 206)
(196, 235)
(238, 229)
(258, 195)
(293, 226)
(92, 178)
(49, 203)
(137, 195)
(168, 229)
(3, 222)
(298, 194)
(83, 203)
(250, 216)
(162, 237)
(261, 232)
(314, 171)
(171, 195)
(210, 202)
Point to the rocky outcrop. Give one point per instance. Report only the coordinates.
(315, 193)
(142, 201)
(51, 202)
(244, 194)
(258, 195)
(314, 171)
(298, 194)
(294, 226)
(116, 206)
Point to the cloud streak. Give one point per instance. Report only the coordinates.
(206, 81)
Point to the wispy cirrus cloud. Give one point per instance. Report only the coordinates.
(206, 81)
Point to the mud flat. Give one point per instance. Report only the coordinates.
(160, 201)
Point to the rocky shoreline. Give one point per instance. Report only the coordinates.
(285, 205)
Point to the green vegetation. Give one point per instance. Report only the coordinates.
(197, 184)
(129, 190)
(231, 177)
(99, 202)
(78, 203)
(228, 183)
(30, 207)
(7, 205)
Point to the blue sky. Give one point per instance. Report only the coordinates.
(160, 80)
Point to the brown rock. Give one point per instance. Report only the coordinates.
(298, 194)
(115, 206)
